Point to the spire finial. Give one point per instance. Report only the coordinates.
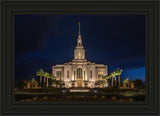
(79, 28)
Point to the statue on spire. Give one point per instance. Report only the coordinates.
(79, 28)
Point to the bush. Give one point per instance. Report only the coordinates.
(22, 100)
(76, 97)
(69, 97)
(102, 98)
(51, 92)
(41, 99)
(121, 100)
(28, 100)
(130, 100)
(35, 98)
(53, 98)
(113, 98)
(95, 97)
(45, 98)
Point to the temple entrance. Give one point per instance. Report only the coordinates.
(79, 77)
(86, 84)
(79, 83)
(73, 84)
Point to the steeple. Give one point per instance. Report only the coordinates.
(79, 28)
(79, 52)
(79, 40)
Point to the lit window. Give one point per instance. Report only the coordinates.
(84, 75)
(58, 74)
(67, 74)
(79, 73)
(74, 74)
(91, 74)
(100, 74)
(79, 55)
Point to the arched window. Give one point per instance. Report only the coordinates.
(91, 74)
(79, 73)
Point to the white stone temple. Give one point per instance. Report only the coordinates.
(79, 72)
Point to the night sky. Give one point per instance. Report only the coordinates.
(114, 40)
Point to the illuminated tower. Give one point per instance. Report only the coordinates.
(79, 52)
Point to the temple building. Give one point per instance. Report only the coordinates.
(79, 72)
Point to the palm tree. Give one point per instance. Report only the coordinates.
(113, 75)
(119, 72)
(106, 77)
(47, 75)
(40, 73)
(52, 77)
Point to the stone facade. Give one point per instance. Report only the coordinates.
(79, 72)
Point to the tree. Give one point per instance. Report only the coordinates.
(52, 77)
(138, 84)
(40, 73)
(57, 82)
(125, 81)
(33, 81)
(113, 75)
(106, 77)
(118, 72)
(47, 75)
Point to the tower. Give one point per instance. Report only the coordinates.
(79, 52)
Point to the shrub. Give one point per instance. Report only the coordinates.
(102, 98)
(22, 100)
(28, 100)
(53, 98)
(51, 92)
(45, 98)
(130, 100)
(113, 98)
(35, 98)
(95, 97)
(76, 97)
(121, 100)
(41, 99)
(69, 97)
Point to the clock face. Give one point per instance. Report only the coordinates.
(79, 55)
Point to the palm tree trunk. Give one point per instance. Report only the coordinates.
(119, 80)
(112, 81)
(40, 80)
(44, 81)
(47, 82)
(115, 81)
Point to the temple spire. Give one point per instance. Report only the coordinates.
(79, 28)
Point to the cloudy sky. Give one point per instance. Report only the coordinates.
(114, 40)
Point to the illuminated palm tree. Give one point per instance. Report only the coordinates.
(47, 75)
(106, 78)
(40, 73)
(113, 75)
(52, 77)
(119, 72)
